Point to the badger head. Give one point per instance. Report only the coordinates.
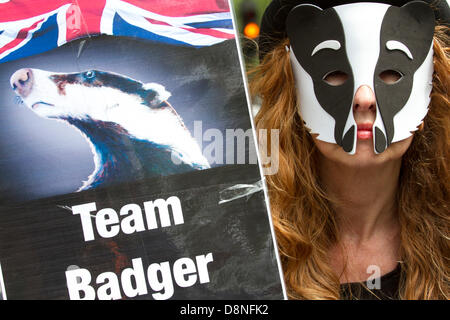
(362, 41)
(98, 99)
(90, 94)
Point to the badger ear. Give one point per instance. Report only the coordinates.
(421, 11)
(300, 15)
(156, 93)
(307, 26)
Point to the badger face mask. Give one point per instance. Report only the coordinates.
(362, 41)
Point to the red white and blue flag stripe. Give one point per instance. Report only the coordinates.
(29, 27)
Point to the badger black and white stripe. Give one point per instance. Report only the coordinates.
(362, 40)
(133, 131)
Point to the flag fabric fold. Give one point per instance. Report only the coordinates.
(32, 27)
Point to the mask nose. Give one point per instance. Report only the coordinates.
(364, 100)
(22, 82)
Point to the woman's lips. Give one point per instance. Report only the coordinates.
(364, 131)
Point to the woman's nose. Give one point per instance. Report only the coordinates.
(22, 81)
(364, 100)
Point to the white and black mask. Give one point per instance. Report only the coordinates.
(361, 41)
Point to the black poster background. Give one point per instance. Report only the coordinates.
(43, 162)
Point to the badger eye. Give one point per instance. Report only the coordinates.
(390, 76)
(89, 74)
(335, 78)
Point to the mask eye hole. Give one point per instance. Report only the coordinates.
(390, 76)
(335, 78)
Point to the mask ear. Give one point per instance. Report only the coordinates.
(301, 14)
(421, 12)
(420, 24)
(301, 19)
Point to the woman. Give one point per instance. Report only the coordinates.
(346, 213)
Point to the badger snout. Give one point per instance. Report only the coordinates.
(22, 82)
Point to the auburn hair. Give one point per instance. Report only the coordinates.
(302, 213)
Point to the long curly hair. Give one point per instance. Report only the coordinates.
(302, 213)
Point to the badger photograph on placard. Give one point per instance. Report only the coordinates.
(133, 131)
(93, 120)
(131, 128)
(128, 165)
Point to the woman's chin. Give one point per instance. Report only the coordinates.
(365, 155)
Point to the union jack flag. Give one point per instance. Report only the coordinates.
(29, 27)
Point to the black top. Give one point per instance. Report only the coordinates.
(389, 285)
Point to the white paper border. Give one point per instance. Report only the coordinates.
(2, 285)
(255, 141)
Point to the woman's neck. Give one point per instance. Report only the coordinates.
(366, 213)
(365, 197)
